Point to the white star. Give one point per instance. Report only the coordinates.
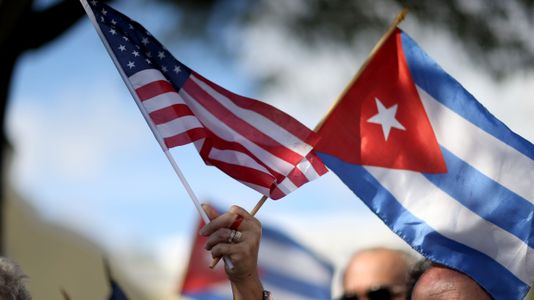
(113, 22)
(131, 64)
(130, 26)
(113, 31)
(177, 69)
(148, 61)
(135, 53)
(144, 41)
(164, 69)
(104, 11)
(161, 55)
(101, 19)
(122, 48)
(386, 118)
(94, 2)
(149, 54)
(125, 38)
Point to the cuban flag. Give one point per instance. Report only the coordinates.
(439, 169)
(288, 269)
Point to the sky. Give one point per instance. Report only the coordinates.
(85, 158)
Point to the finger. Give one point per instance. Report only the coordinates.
(238, 210)
(223, 249)
(249, 222)
(220, 236)
(221, 221)
(210, 211)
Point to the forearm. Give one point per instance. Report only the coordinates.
(248, 289)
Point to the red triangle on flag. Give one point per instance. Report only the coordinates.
(381, 121)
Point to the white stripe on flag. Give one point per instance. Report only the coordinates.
(307, 169)
(162, 101)
(315, 273)
(236, 158)
(486, 153)
(260, 189)
(287, 186)
(226, 133)
(454, 221)
(258, 121)
(145, 77)
(199, 143)
(178, 126)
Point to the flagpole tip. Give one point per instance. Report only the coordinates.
(402, 14)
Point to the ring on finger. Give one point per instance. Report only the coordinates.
(235, 236)
(232, 235)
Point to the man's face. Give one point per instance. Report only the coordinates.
(371, 273)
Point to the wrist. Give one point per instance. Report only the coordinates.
(249, 287)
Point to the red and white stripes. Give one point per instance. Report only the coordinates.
(253, 142)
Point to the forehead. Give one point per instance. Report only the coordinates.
(375, 268)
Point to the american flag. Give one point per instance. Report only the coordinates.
(253, 142)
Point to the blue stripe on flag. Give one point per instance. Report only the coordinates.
(487, 272)
(429, 76)
(485, 197)
(276, 236)
(293, 285)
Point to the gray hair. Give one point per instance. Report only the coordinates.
(12, 278)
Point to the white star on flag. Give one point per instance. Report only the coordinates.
(386, 118)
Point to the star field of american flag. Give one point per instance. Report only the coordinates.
(135, 48)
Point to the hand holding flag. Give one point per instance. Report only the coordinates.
(308, 276)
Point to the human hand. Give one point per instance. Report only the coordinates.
(242, 250)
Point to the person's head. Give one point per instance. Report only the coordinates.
(377, 273)
(12, 281)
(439, 282)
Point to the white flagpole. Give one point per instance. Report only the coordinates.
(164, 147)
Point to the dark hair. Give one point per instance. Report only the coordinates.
(418, 269)
(12, 281)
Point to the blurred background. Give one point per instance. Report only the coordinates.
(84, 179)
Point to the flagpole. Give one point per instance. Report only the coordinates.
(400, 17)
(152, 127)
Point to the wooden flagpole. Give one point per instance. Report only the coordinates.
(400, 17)
(152, 127)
